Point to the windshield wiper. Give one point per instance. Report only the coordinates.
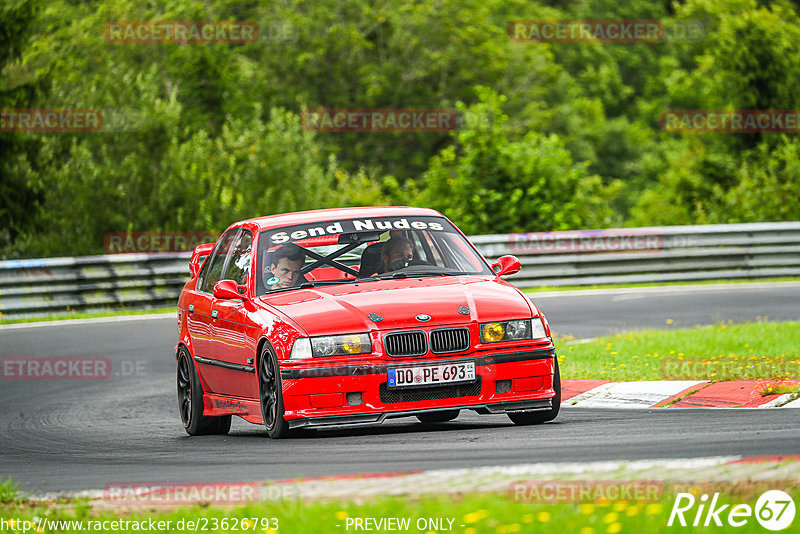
(329, 282)
(400, 275)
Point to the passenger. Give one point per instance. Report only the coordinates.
(285, 267)
(396, 253)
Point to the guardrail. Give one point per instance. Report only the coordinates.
(651, 255)
(37, 287)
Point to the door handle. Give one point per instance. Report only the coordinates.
(214, 313)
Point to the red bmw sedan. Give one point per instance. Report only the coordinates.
(351, 316)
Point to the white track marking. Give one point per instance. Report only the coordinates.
(97, 320)
(643, 394)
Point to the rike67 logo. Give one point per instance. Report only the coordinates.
(774, 510)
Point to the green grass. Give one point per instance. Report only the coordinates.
(541, 289)
(750, 351)
(780, 389)
(8, 492)
(495, 513)
(88, 315)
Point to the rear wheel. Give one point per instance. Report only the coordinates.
(438, 417)
(535, 418)
(190, 401)
(271, 394)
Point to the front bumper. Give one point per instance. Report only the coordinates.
(373, 418)
(357, 394)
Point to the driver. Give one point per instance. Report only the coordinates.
(396, 253)
(285, 266)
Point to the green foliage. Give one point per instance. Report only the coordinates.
(17, 197)
(199, 136)
(488, 183)
(748, 60)
(254, 167)
(767, 185)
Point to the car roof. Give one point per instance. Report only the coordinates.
(304, 217)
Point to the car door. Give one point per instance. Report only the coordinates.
(200, 321)
(234, 334)
(199, 310)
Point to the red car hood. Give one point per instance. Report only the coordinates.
(345, 308)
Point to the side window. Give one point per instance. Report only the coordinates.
(454, 251)
(239, 265)
(212, 268)
(424, 245)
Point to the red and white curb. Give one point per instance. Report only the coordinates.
(675, 394)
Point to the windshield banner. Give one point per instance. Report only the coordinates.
(369, 224)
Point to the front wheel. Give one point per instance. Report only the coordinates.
(190, 401)
(535, 418)
(271, 394)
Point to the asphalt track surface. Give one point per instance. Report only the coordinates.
(74, 435)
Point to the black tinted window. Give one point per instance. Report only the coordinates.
(212, 268)
(239, 265)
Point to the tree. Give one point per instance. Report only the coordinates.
(18, 197)
(488, 183)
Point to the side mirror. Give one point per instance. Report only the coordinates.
(199, 255)
(506, 265)
(227, 289)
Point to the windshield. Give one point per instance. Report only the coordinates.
(374, 248)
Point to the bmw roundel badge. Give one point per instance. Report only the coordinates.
(423, 317)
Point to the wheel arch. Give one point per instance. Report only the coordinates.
(260, 348)
(182, 345)
(192, 361)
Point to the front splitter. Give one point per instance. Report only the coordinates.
(377, 418)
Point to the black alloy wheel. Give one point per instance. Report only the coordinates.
(190, 401)
(270, 391)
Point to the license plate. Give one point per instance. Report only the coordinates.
(432, 374)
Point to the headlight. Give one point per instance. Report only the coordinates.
(493, 332)
(512, 330)
(346, 345)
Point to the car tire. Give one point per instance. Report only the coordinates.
(438, 417)
(271, 394)
(535, 418)
(190, 401)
